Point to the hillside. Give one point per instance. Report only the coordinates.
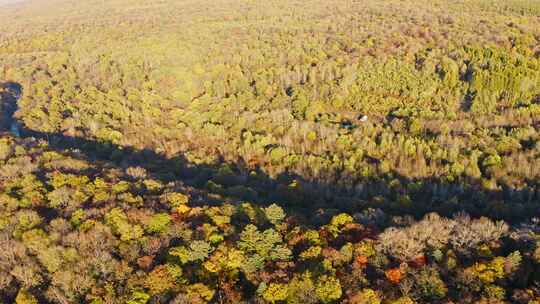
(270, 151)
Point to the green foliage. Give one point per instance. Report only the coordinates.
(138, 297)
(429, 285)
(337, 223)
(118, 221)
(198, 250)
(158, 223)
(261, 247)
(274, 214)
(497, 76)
(76, 217)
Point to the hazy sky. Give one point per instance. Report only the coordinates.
(2, 2)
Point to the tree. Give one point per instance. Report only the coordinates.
(262, 247)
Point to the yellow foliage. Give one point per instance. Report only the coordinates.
(275, 292)
(199, 291)
(489, 272)
(24, 297)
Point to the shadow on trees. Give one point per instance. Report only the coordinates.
(9, 94)
(315, 200)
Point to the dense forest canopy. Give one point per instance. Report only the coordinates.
(278, 151)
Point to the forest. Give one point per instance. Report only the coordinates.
(277, 151)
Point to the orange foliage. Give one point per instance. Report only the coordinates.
(145, 262)
(361, 261)
(394, 275)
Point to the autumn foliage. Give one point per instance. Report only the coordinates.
(277, 151)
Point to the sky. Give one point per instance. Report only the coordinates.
(4, 2)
